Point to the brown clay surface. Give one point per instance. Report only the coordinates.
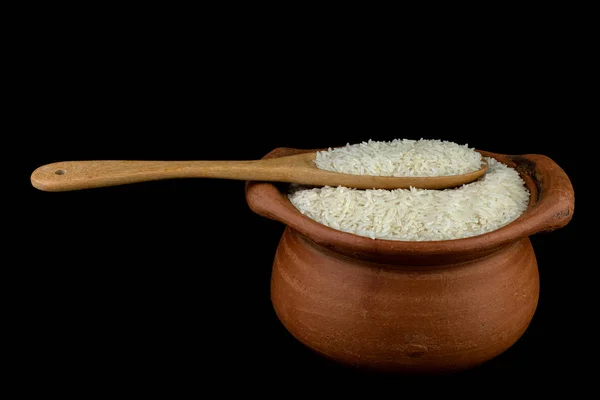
(403, 319)
(412, 306)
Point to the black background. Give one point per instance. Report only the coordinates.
(170, 280)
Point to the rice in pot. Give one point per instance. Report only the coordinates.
(401, 157)
(487, 204)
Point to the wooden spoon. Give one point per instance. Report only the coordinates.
(300, 168)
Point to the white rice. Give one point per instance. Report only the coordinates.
(401, 157)
(418, 214)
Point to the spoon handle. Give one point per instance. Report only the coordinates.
(74, 175)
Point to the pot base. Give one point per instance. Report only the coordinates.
(402, 318)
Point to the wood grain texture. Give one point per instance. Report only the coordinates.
(412, 307)
(297, 168)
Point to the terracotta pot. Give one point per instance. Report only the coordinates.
(397, 306)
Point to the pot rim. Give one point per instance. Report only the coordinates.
(551, 206)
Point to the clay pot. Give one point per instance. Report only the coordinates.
(395, 306)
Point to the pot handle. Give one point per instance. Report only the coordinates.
(554, 201)
(265, 199)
